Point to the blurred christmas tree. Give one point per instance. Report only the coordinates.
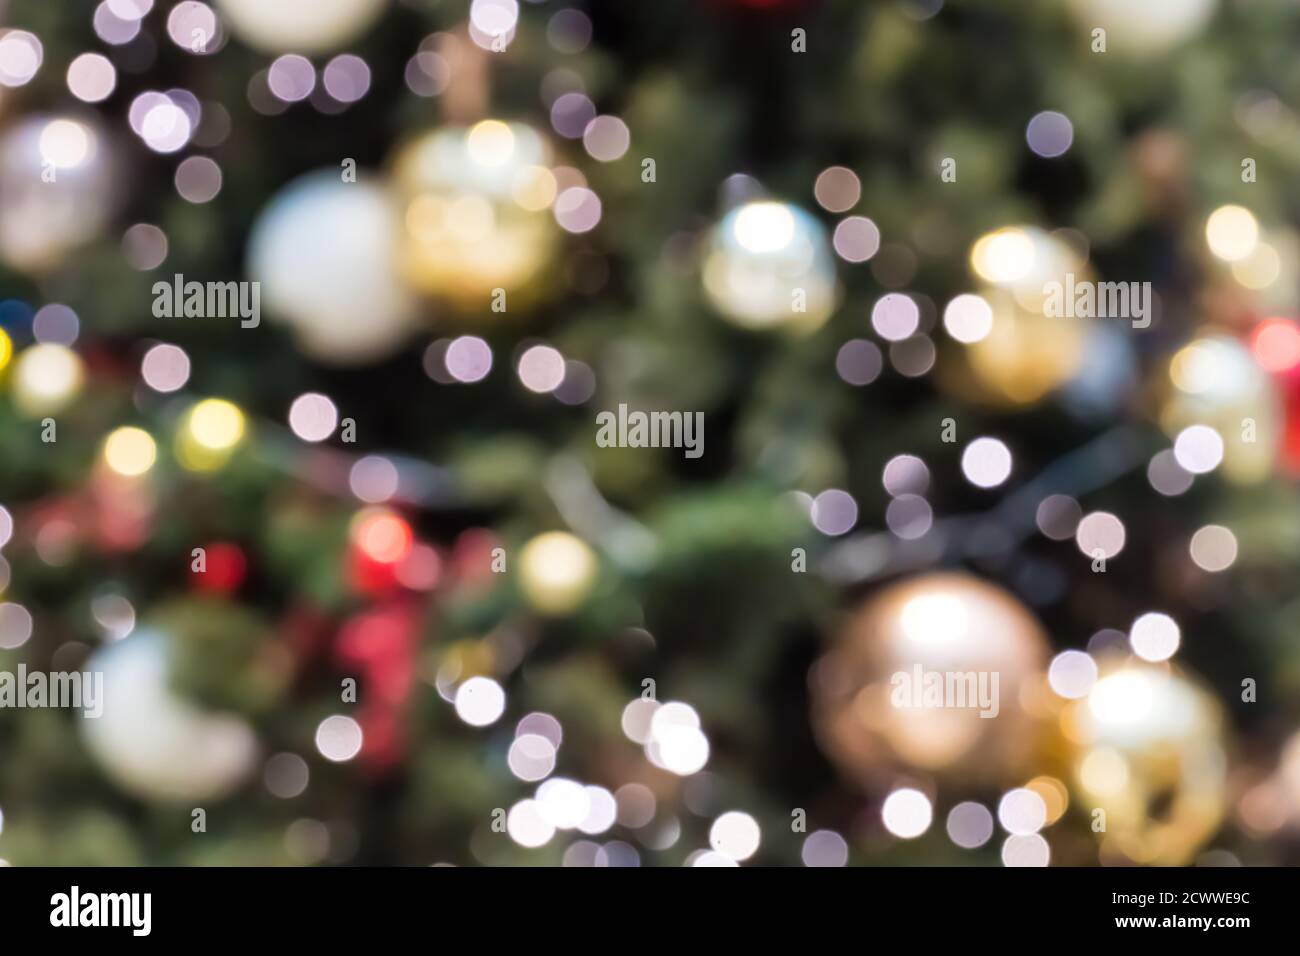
(366, 586)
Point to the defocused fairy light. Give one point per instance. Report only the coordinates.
(969, 825)
(856, 239)
(1198, 449)
(909, 517)
(1213, 548)
(577, 210)
(1049, 134)
(115, 614)
(824, 848)
(130, 451)
(1026, 850)
(1072, 674)
(986, 462)
(636, 805)
(480, 701)
(735, 834)
(1154, 636)
(1101, 532)
(165, 368)
(1167, 476)
(895, 316)
(859, 362)
(606, 139)
(1057, 517)
(906, 813)
(382, 535)
(571, 113)
(198, 179)
(568, 31)
(194, 27)
(374, 479)
(46, 377)
(527, 826)
(563, 803)
(113, 29)
(91, 77)
(1276, 344)
(541, 369)
(676, 742)
(54, 323)
(346, 78)
(6, 526)
(912, 357)
(837, 189)
(1022, 811)
(15, 625)
(468, 359)
(602, 811)
(968, 318)
(338, 738)
(20, 57)
(1004, 256)
(313, 417)
(636, 718)
(291, 77)
(905, 475)
(531, 757)
(286, 775)
(1231, 233)
(144, 246)
(216, 424)
(834, 512)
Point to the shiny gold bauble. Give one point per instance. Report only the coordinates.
(769, 265)
(1150, 757)
(475, 207)
(1027, 353)
(945, 624)
(557, 572)
(1215, 381)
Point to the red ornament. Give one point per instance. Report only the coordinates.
(223, 571)
(379, 646)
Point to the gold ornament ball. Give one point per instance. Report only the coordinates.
(1149, 756)
(475, 207)
(1215, 381)
(1027, 352)
(299, 26)
(557, 572)
(769, 265)
(946, 634)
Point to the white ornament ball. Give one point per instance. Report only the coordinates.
(768, 265)
(299, 26)
(151, 742)
(1140, 28)
(324, 253)
(56, 188)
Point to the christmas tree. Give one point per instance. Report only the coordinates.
(746, 431)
